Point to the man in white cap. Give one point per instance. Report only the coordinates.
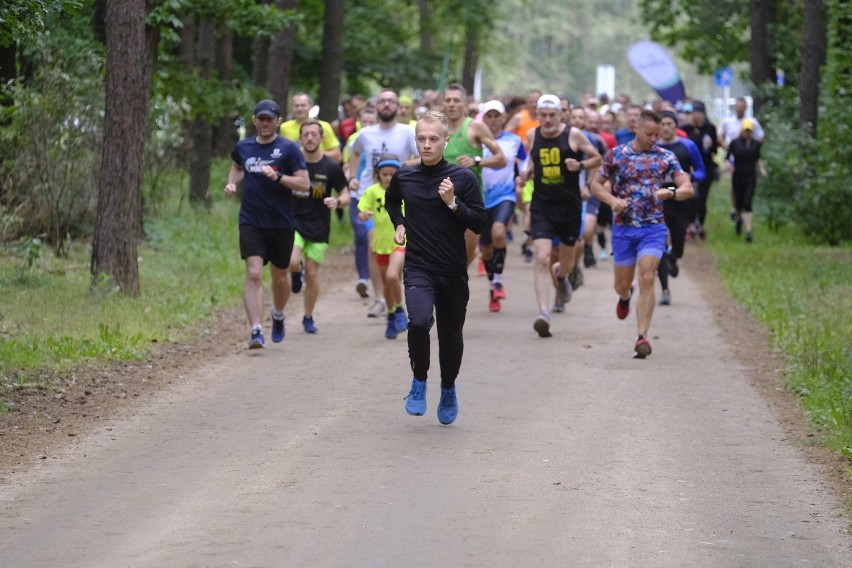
(559, 152)
(501, 197)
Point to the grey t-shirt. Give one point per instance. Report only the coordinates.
(373, 141)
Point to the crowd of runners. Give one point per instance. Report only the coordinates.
(441, 185)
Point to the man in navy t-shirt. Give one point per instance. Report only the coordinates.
(271, 168)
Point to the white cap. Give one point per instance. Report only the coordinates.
(493, 105)
(548, 101)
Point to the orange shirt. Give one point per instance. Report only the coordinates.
(526, 124)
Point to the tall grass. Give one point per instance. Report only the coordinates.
(800, 292)
(189, 265)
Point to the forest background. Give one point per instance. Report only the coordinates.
(114, 115)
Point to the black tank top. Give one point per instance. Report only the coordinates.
(553, 183)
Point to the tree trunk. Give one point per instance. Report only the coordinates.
(225, 134)
(201, 131)
(280, 60)
(260, 64)
(128, 90)
(425, 27)
(471, 60)
(8, 72)
(332, 60)
(762, 72)
(813, 57)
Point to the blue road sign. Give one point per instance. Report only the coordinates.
(723, 76)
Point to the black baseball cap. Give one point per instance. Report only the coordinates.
(267, 107)
(698, 106)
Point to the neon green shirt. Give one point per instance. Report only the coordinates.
(373, 200)
(290, 131)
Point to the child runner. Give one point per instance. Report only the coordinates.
(389, 256)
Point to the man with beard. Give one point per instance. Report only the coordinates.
(386, 137)
(559, 153)
(313, 216)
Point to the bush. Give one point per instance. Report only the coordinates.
(808, 183)
(52, 139)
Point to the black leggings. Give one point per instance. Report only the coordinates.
(743, 191)
(703, 192)
(447, 296)
(678, 215)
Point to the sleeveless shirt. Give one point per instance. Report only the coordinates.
(459, 146)
(553, 183)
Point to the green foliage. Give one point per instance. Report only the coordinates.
(247, 17)
(23, 20)
(797, 291)
(710, 34)
(786, 156)
(51, 139)
(826, 211)
(30, 251)
(377, 47)
(808, 183)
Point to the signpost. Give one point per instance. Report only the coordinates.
(723, 76)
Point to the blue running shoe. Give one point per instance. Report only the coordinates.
(308, 323)
(256, 341)
(415, 402)
(390, 330)
(448, 408)
(401, 320)
(277, 330)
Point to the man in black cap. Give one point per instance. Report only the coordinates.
(703, 132)
(271, 168)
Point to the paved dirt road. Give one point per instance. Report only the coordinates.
(567, 452)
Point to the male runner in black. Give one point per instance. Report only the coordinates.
(442, 200)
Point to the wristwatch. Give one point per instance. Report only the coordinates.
(454, 205)
(278, 176)
(477, 160)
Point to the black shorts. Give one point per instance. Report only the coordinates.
(272, 245)
(604, 215)
(563, 221)
(500, 213)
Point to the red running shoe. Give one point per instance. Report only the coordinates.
(493, 302)
(481, 267)
(622, 308)
(498, 291)
(642, 348)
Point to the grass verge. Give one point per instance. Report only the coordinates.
(51, 320)
(801, 294)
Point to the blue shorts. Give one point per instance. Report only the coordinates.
(630, 243)
(593, 206)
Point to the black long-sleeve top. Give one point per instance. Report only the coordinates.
(435, 233)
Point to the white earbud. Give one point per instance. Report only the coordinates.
(446, 144)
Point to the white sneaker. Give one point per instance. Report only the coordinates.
(378, 309)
